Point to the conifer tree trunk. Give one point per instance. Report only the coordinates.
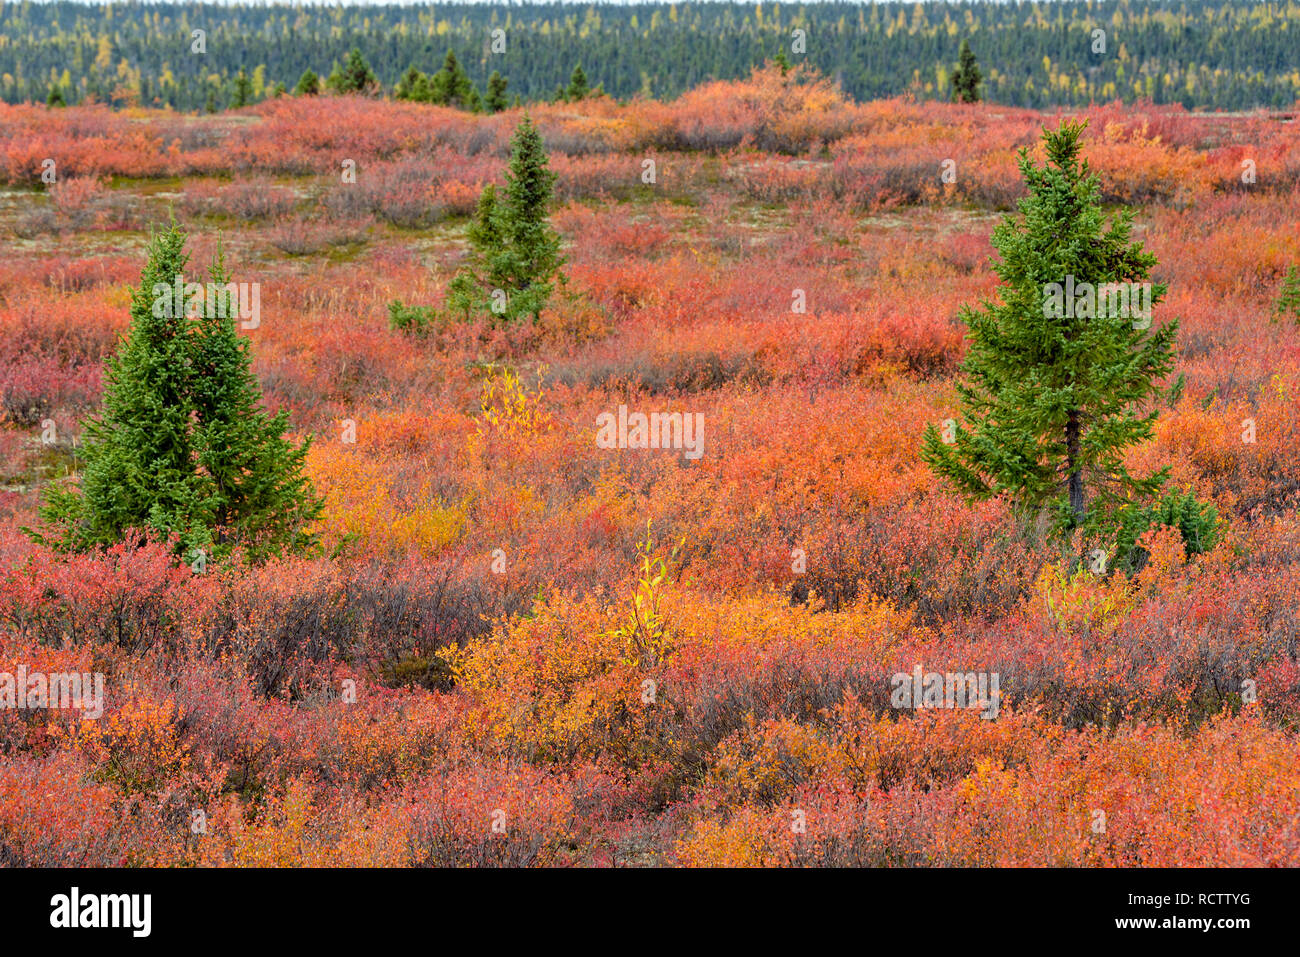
(1075, 480)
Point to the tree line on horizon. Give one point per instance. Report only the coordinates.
(1199, 53)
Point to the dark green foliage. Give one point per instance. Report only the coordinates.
(532, 248)
(421, 90)
(865, 46)
(354, 76)
(514, 254)
(496, 93)
(1288, 300)
(967, 77)
(1052, 401)
(464, 295)
(578, 88)
(334, 81)
(413, 85)
(486, 233)
(515, 259)
(308, 84)
(1197, 523)
(182, 445)
(410, 319)
(243, 90)
(56, 97)
(357, 75)
(451, 86)
(263, 499)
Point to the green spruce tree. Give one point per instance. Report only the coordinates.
(410, 85)
(354, 76)
(451, 85)
(308, 84)
(529, 262)
(578, 88)
(357, 75)
(138, 456)
(56, 97)
(334, 82)
(181, 445)
(486, 235)
(422, 92)
(496, 93)
(967, 77)
(242, 93)
(515, 258)
(1052, 396)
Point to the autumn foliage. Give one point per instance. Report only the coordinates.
(517, 648)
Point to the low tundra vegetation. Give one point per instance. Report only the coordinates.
(490, 641)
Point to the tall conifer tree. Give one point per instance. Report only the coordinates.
(578, 87)
(967, 77)
(451, 85)
(182, 444)
(496, 93)
(308, 84)
(1053, 397)
(515, 252)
